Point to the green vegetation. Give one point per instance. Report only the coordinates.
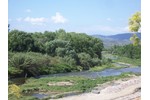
(130, 51)
(103, 67)
(110, 54)
(80, 84)
(134, 26)
(135, 22)
(14, 92)
(133, 62)
(33, 54)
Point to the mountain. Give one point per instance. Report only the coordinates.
(118, 39)
(124, 36)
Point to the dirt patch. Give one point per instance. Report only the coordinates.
(118, 90)
(60, 83)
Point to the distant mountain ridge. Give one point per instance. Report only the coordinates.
(123, 36)
(118, 39)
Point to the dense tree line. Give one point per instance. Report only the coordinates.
(129, 51)
(52, 52)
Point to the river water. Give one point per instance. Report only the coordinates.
(104, 73)
(88, 74)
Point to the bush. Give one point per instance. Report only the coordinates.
(14, 91)
(12, 71)
(95, 62)
(106, 61)
(61, 68)
(28, 63)
(69, 60)
(85, 60)
(130, 51)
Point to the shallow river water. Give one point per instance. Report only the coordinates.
(104, 73)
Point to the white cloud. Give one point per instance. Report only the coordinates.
(104, 29)
(19, 19)
(109, 19)
(35, 21)
(58, 18)
(28, 10)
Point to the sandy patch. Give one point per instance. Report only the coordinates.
(123, 90)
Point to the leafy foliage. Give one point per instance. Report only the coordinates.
(52, 52)
(135, 40)
(129, 51)
(135, 22)
(134, 26)
(27, 63)
(20, 41)
(14, 91)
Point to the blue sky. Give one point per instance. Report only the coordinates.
(105, 17)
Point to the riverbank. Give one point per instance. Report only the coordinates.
(128, 89)
(57, 87)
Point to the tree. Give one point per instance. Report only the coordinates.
(85, 60)
(53, 45)
(20, 41)
(134, 26)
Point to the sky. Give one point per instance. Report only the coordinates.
(104, 17)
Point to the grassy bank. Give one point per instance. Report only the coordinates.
(79, 84)
(117, 58)
(103, 67)
(134, 62)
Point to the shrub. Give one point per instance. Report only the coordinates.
(14, 91)
(85, 60)
(28, 63)
(106, 61)
(95, 62)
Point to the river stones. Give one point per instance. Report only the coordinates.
(96, 91)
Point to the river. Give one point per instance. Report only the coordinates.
(104, 73)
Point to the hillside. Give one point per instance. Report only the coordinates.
(118, 39)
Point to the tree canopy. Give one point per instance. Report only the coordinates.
(134, 26)
(52, 52)
(135, 22)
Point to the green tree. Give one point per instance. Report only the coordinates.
(20, 41)
(39, 42)
(85, 60)
(53, 45)
(129, 51)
